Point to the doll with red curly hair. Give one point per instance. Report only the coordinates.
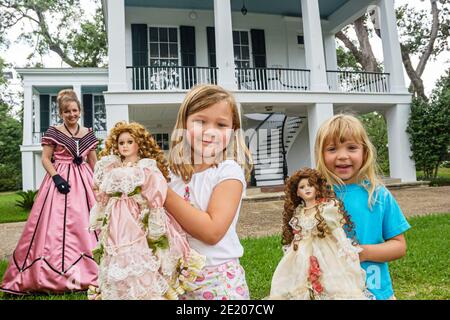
(320, 260)
(142, 252)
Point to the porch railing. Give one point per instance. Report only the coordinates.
(354, 81)
(169, 78)
(272, 79)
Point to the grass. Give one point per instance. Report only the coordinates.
(442, 173)
(10, 213)
(422, 274)
(8, 210)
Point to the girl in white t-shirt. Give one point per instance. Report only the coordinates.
(210, 163)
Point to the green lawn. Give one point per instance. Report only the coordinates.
(442, 173)
(422, 274)
(8, 211)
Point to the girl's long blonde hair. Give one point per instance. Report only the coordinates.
(199, 98)
(339, 129)
(148, 148)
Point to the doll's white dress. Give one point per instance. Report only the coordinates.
(321, 268)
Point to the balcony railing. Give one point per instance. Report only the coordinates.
(272, 79)
(37, 136)
(358, 82)
(170, 78)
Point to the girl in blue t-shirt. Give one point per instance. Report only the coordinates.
(347, 158)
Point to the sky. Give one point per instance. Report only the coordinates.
(18, 52)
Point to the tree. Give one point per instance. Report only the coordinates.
(419, 36)
(428, 128)
(376, 128)
(56, 27)
(10, 157)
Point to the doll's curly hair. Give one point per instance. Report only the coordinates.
(148, 148)
(324, 194)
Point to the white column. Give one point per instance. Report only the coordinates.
(116, 113)
(27, 115)
(37, 112)
(314, 52)
(317, 114)
(329, 41)
(391, 46)
(400, 163)
(224, 44)
(331, 60)
(116, 45)
(77, 90)
(28, 171)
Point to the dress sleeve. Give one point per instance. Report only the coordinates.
(154, 189)
(332, 216)
(49, 137)
(102, 166)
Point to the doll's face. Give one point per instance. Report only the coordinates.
(306, 191)
(128, 147)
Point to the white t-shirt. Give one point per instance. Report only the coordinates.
(201, 188)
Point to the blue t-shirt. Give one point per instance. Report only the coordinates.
(384, 221)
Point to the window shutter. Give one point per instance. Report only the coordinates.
(139, 46)
(211, 41)
(259, 56)
(187, 46)
(88, 110)
(44, 105)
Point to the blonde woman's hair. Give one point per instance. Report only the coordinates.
(148, 148)
(199, 98)
(338, 129)
(66, 96)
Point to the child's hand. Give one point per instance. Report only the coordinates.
(101, 198)
(363, 253)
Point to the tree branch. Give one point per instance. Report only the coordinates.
(433, 35)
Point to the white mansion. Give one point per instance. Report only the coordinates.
(277, 57)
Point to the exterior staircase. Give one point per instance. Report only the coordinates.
(269, 147)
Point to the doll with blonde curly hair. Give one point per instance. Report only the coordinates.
(320, 260)
(142, 252)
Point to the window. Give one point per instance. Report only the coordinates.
(163, 44)
(55, 119)
(163, 140)
(241, 49)
(98, 113)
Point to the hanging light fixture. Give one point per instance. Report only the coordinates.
(244, 9)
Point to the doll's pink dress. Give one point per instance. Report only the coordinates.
(53, 254)
(143, 252)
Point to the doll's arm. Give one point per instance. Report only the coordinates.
(346, 248)
(333, 218)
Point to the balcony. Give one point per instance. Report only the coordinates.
(176, 78)
(170, 78)
(358, 82)
(272, 79)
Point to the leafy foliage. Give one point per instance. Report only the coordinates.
(27, 200)
(428, 128)
(376, 128)
(58, 26)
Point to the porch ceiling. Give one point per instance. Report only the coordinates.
(290, 8)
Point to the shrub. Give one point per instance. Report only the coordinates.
(10, 178)
(27, 199)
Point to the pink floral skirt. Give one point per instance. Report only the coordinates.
(223, 282)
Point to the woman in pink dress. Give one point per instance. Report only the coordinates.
(53, 254)
(142, 253)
